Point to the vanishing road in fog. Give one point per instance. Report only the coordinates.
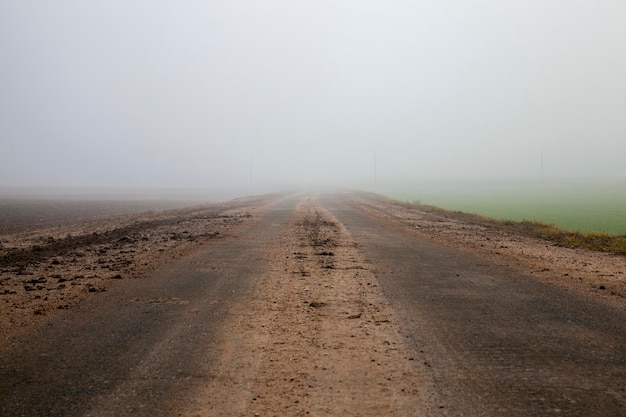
(475, 338)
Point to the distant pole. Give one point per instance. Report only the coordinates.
(250, 169)
(541, 164)
(375, 169)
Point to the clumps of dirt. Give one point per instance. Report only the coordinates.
(51, 269)
(597, 273)
(317, 336)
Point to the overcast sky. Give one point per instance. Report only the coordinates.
(207, 93)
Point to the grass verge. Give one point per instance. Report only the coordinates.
(597, 241)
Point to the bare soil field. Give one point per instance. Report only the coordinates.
(22, 214)
(54, 253)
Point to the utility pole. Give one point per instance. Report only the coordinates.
(375, 169)
(541, 164)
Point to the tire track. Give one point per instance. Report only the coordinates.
(317, 337)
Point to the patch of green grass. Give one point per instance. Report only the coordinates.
(580, 205)
(597, 241)
(581, 215)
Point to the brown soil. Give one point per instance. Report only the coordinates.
(22, 214)
(598, 273)
(53, 268)
(316, 338)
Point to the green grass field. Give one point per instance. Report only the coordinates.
(581, 205)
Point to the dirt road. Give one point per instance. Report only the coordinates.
(319, 305)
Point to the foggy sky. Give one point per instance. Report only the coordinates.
(209, 93)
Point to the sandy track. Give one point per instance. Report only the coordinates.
(494, 338)
(143, 346)
(317, 337)
(313, 336)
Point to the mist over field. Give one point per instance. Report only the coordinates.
(242, 96)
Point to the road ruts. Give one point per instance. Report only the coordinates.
(494, 341)
(143, 347)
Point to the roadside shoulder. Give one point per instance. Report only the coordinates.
(47, 270)
(602, 275)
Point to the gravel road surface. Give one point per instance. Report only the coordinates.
(493, 340)
(140, 348)
(318, 307)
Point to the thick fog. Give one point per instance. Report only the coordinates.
(145, 93)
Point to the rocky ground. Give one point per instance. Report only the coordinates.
(43, 269)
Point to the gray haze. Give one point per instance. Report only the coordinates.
(147, 93)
